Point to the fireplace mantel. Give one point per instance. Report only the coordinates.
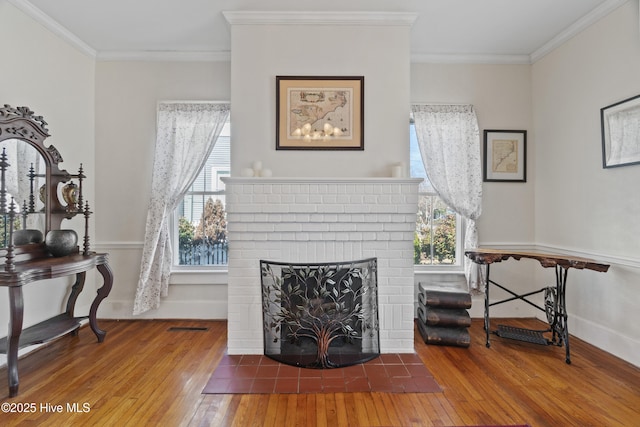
(313, 219)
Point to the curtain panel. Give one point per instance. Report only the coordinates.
(449, 141)
(186, 134)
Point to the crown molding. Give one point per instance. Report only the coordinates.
(53, 26)
(319, 18)
(589, 19)
(169, 56)
(450, 58)
(586, 21)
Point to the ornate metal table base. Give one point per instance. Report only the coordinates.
(554, 307)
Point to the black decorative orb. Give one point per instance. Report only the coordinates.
(27, 236)
(61, 242)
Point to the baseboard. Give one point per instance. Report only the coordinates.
(606, 339)
(205, 310)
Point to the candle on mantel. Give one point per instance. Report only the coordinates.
(257, 167)
(396, 171)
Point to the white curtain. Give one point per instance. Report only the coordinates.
(186, 134)
(449, 141)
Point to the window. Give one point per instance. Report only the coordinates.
(200, 225)
(437, 239)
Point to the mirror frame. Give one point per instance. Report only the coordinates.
(21, 123)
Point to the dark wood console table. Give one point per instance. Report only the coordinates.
(47, 267)
(554, 296)
(30, 213)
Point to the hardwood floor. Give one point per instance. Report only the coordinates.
(146, 374)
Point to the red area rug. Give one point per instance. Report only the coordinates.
(390, 373)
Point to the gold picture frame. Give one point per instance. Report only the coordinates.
(319, 113)
(505, 155)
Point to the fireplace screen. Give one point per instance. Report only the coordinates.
(320, 315)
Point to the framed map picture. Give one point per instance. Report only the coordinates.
(505, 155)
(319, 113)
(621, 133)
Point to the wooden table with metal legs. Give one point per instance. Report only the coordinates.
(554, 296)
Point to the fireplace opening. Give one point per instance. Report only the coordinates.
(321, 315)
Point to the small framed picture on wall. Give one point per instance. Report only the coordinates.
(505, 155)
(621, 133)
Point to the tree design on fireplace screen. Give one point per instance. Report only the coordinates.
(320, 315)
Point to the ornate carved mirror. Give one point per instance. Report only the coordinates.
(32, 187)
(24, 174)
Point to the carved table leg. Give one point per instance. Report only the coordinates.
(103, 292)
(75, 291)
(16, 313)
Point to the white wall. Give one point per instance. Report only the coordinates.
(581, 207)
(56, 81)
(501, 95)
(379, 53)
(127, 94)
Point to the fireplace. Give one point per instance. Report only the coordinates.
(321, 220)
(320, 315)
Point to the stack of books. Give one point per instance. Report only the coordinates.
(443, 318)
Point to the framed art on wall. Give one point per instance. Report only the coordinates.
(319, 113)
(620, 123)
(505, 155)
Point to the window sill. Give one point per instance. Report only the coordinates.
(450, 269)
(199, 276)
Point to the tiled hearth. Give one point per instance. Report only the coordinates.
(313, 220)
(389, 373)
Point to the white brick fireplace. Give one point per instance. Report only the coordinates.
(321, 220)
